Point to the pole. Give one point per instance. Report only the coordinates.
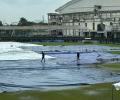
(112, 92)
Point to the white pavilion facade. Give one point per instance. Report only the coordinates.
(87, 18)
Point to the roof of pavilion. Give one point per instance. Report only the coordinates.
(88, 5)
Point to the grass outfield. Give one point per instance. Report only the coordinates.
(115, 52)
(74, 43)
(93, 92)
(112, 66)
(111, 45)
(59, 43)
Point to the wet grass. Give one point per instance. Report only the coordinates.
(92, 92)
(112, 66)
(115, 52)
(109, 44)
(59, 43)
(74, 43)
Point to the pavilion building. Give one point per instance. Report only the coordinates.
(87, 18)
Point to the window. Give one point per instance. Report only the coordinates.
(111, 23)
(85, 24)
(93, 26)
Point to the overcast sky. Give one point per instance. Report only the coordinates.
(33, 10)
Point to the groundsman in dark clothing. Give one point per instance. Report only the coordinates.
(43, 57)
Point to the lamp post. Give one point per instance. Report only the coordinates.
(112, 92)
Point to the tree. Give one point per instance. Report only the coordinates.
(23, 22)
(42, 23)
(1, 24)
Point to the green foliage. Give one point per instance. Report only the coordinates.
(1, 23)
(24, 22)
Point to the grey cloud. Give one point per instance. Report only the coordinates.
(30, 1)
(9, 1)
(24, 2)
(12, 10)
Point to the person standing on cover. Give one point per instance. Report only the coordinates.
(43, 57)
(78, 58)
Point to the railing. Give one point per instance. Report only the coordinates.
(116, 28)
(23, 27)
(50, 27)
